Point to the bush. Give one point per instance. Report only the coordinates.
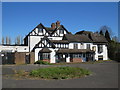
(42, 62)
(59, 72)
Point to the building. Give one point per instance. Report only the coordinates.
(56, 44)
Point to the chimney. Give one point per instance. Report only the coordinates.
(58, 24)
(53, 26)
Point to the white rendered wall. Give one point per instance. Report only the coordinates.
(36, 53)
(34, 40)
(56, 38)
(52, 55)
(14, 48)
(104, 53)
(68, 58)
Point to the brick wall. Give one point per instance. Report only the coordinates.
(20, 57)
(32, 57)
(46, 60)
(77, 59)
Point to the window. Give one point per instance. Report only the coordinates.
(76, 55)
(61, 31)
(83, 54)
(44, 56)
(39, 30)
(100, 57)
(75, 46)
(100, 48)
(87, 46)
(81, 46)
(94, 48)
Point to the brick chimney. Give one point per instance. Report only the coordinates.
(58, 24)
(53, 26)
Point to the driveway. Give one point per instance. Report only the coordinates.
(105, 75)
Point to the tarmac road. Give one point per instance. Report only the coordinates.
(105, 75)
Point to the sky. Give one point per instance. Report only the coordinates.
(19, 18)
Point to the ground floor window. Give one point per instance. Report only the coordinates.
(43, 56)
(76, 55)
(100, 57)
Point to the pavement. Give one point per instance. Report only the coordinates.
(105, 75)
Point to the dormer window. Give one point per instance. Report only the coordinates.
(88, 46)
(75, 46)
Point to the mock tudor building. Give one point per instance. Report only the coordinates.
(56, 44)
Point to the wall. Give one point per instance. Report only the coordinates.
(14, 48)
(34, 40)
(104, 53)
(20, 57)
(77, 59)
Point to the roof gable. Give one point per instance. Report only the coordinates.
(44, 42)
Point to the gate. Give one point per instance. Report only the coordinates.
(8, 58)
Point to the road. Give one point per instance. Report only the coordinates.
(105, 75)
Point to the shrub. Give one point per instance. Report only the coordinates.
(42, 62)
(59, 72)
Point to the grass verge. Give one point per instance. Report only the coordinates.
(59, 73)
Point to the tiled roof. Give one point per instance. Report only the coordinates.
(95, 37)
(75, 51)
(45, 50)
(98, 38)
(77, 38)
(59, 41)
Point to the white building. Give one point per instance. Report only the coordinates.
(55, 44)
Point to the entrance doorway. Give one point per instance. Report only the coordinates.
(27, 58)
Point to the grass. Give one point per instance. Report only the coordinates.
(59, 73)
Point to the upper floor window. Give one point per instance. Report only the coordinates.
(87, 46)
(81, 46)
(75, 46)
(39, 30)
(94, 48)
(61, 31)
(100, 48)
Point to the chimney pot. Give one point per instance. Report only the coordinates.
(57, 23)
(53, 25)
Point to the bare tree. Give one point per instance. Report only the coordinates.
(17, 40)
(7, 40)
(105, 28)
(3, 40)
(21, 40)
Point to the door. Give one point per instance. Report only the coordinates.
(62, 58)
(27, 59)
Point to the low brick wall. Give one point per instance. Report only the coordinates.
(46, 60)
(77, 59)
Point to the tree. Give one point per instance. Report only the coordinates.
(106, 28)
(7, 40)
(17, 40)
(3, 40)
(107, 36)
(115, 38)
(101, 32)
